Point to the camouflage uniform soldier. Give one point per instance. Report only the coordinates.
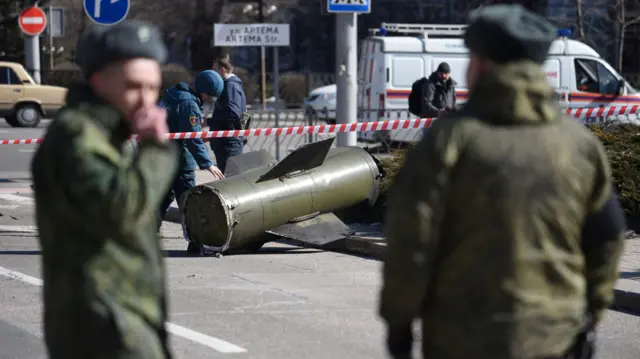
(97, 205)
(503, 230)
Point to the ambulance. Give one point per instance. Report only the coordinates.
(396, 55)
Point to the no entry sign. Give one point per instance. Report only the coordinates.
(32, 21)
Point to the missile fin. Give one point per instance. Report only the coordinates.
(303, 158)
(324, 231)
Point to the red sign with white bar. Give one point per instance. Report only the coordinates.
(32, 21)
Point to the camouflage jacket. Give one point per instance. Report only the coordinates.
(96, 211)
(484, 226)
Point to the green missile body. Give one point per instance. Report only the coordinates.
(293, 199)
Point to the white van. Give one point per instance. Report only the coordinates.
(321, 103)
(389, 65)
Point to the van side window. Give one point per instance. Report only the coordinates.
(593, 77)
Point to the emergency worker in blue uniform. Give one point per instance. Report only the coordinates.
(183, 104)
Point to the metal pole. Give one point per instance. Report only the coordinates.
(263, 75)
(276, 91)
(32, 56)
(49, 23)
(263, 55)
(346, 55)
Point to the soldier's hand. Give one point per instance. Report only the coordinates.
(215, 171)
(151, 124)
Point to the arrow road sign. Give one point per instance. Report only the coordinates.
(32, 21)
(349, 6)
(106, 12)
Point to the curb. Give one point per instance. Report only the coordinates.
(627, 291)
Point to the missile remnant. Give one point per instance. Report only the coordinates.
(293, 199)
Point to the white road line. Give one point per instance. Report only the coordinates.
(8, 206)
(16, 190)
(14, 198)
(211, 342)
(26, 150)
(18, 228)
(20, 276)
(216, 344)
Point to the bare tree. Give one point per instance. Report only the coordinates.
(580, 20)
(622, 21)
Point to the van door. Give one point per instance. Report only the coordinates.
(404, 70)
(596, 85)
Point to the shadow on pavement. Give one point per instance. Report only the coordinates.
(630, 275)
(14, 180)
(20, 253)
(177, 253)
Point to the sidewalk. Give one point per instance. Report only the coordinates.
(627, 298)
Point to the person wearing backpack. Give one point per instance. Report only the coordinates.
(433, 96)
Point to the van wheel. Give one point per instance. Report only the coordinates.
(11, 120)
(28, 115)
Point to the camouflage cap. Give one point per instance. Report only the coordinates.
(100, 46)
(505, 33)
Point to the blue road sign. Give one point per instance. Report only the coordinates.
(106, 12)
(349, 6)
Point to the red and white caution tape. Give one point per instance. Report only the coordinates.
(578, 113)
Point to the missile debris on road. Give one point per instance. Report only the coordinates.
(293, 199)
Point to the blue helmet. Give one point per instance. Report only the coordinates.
(209, 82)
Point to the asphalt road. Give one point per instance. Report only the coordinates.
(284, 302)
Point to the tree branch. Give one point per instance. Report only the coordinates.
(633, 21)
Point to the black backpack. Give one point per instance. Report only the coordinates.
(416, 96)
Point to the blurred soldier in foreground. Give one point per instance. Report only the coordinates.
(183, 104)
(504, 234)
(97, 205)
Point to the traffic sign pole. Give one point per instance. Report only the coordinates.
(346, 63)
(32, 56)
(32, 21)
(347, 87)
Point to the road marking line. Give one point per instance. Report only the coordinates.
(8, 206)
(26, 150)
(211, 342)
(18, 228)
(216, 344)
(16, 190)
(14, 198)
(20, 276)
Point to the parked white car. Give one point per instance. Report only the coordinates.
(321, 103)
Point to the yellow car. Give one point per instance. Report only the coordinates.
(23, 102)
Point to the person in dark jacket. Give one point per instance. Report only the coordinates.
(227, 113)
(440, 94)
(183, 104)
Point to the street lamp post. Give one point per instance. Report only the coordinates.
(260, 11)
